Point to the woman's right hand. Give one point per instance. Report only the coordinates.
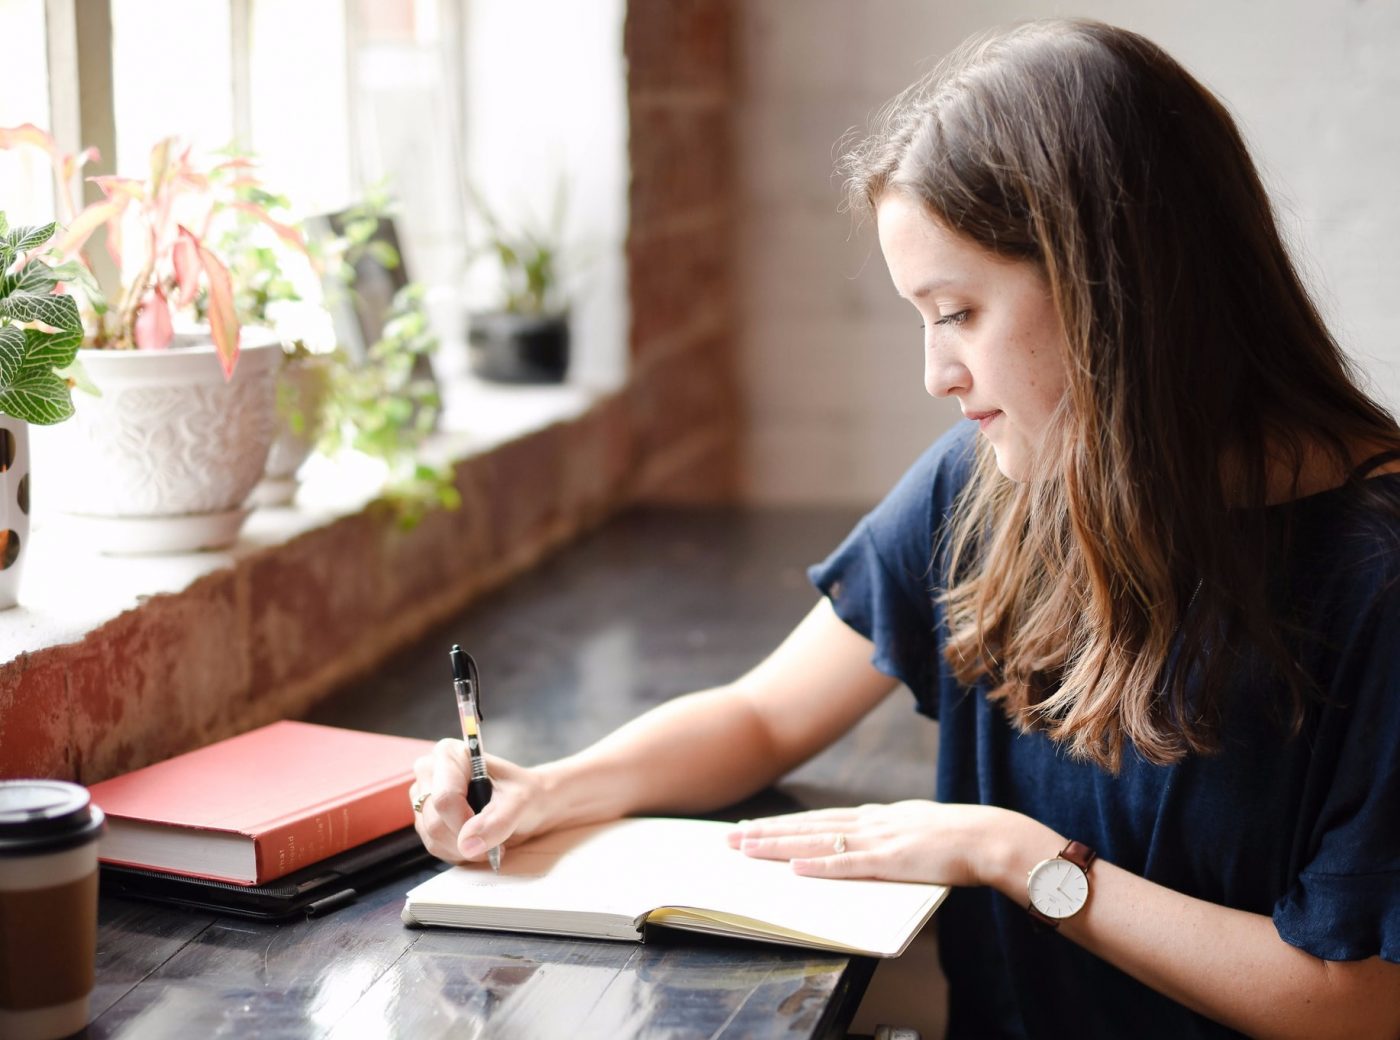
(446, 823)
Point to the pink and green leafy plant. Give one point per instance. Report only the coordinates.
(177, 211)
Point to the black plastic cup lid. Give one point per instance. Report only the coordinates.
(41, 816)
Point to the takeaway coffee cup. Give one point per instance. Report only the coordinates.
(48, 907)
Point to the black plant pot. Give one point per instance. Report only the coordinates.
(518, 348)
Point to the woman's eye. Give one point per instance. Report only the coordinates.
(956, 318)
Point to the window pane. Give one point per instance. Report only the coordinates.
(406, 128)
(298, 103)
(26, 179)
(172, 74)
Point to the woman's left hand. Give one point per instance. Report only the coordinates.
(906, 841)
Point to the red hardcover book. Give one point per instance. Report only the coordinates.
(260, 805)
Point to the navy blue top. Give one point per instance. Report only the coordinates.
(1305, 830)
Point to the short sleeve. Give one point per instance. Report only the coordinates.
(882, 580)
(1345, 903)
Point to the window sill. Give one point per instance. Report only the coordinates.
(110, 662)
(67, 590)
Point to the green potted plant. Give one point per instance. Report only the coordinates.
(40, 331)
(271, 267)
(164, 460)
(523, 336)
(384, 405)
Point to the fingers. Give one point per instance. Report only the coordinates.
(798, 846)
(841, 865)
(829, 822)
(498, 822)
(441, 776)
(444, 820)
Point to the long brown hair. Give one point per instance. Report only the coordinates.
(1197, 365)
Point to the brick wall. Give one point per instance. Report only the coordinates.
(682, 389)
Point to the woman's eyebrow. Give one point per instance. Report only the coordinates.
(930, 286)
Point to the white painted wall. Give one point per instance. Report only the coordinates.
(831, 360)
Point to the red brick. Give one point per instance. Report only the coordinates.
(681, 159)
(600, 459)
(526, 496)
(35, 723)
(313, 595)
(680, 281)
(685, 393)
(679, 43)
(170, 676)
(709, 476)
(443, 557)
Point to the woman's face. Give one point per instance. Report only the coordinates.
(991, 336)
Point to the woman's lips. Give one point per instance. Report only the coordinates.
(983, 419)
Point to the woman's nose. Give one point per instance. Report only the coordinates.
(945, 376)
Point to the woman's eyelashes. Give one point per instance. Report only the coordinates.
(956, 318)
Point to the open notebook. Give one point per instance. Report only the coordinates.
(609, 881)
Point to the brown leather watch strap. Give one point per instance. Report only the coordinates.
(1041, 919)
(1080, 855)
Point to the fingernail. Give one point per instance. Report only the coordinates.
(472, 847)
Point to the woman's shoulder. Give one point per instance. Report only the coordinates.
(940, 473)
(901, 532)
(1351, 533)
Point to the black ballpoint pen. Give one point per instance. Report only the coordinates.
(467, 686)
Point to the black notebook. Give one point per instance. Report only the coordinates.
(311, 891)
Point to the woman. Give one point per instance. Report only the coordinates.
(1149, 592)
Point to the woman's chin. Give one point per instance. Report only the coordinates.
(1012, 464)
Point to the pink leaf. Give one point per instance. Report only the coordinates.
(75, 236)
(153, 331)
(28, 133)
(114, 239)
(238, 162)
(73, 163)
(120, 188)
(185, 258)
(285, 232)
(223, 322)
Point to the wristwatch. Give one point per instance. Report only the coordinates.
(1058, 888)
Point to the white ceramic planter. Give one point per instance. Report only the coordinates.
(302, 385)
(165, 459)
(14, 506)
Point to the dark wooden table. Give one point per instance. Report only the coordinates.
(657, 603)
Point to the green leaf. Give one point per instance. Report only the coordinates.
(4, 225)
(77, 274)
(52, 349)
(77, 375)
(36, 278)
(27, 238)
(41, 398)
(71, 271)
(11, 353)
(59, 311)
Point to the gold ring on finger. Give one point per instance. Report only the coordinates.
(421, 800)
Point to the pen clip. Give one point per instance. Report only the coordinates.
(464, 670)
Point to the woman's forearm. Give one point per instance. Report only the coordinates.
(1229, 965)
(692, 754)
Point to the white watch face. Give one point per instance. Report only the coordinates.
(1058, 888)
